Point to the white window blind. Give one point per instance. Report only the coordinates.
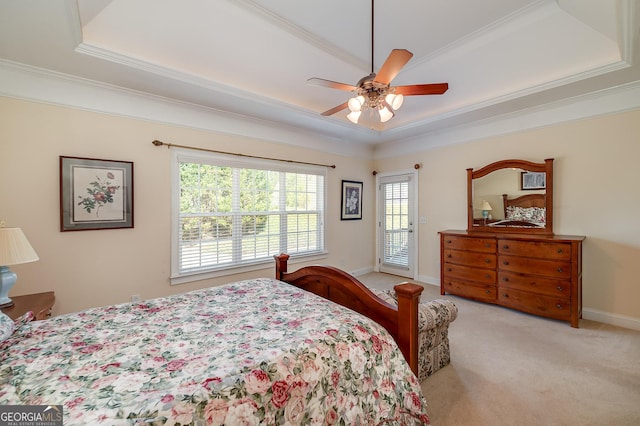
(234, 212)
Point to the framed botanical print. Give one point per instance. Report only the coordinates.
(95, 194)
(351, 200)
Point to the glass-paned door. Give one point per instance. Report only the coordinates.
(396, 235)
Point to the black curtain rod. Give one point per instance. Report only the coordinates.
(169, 145)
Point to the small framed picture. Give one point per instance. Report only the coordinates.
(351, 200)
(533, 180)
(95, 194)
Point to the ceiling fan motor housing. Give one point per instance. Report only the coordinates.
(372, 91)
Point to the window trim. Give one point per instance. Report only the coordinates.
(186, 155)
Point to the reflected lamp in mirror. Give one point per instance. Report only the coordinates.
(486, 208)
(14, 249)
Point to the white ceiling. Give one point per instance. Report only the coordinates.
(252, 58)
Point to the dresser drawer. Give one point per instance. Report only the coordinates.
(533, 266)
(470, 258)
(546, 250)
(547, 286)
(485, 245)
(486, 276)
(547, 306)
(483, 292)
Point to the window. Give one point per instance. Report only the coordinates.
(235, 212)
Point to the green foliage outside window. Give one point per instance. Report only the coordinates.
(269, 208)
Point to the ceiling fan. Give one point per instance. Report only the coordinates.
(374, 91)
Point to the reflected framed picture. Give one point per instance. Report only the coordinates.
(533, 180)
(351, 206)
(95, 194)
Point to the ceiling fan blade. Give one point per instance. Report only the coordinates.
(331, 84)
(397, 59)
(335, 109)
(422, 89)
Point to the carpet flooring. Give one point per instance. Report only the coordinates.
(511, 368)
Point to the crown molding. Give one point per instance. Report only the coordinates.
(619, 99)
(40, 85)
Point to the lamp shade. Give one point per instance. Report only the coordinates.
(353, 116)
(355, 104)
(385, 114)
(486, 206)
(395, 101)
(15, 248)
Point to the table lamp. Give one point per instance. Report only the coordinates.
(486, 208)
(14, 249)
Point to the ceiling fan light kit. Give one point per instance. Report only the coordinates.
(354, 116)
(374, 91)
(376, 99)
(394, 100)
(385, 114)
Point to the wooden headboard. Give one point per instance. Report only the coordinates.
(524, 201)
(529, 200)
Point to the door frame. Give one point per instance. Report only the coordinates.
(413, 194)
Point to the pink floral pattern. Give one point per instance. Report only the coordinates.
(253, 352)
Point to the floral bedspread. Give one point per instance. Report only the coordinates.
(253, 352)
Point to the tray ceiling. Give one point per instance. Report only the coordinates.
(252, 57)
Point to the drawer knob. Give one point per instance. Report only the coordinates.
(560, 269)
(487, 276)
(488, 291)
(560, 251)
(559, 306)
(487, 245)
(560, 288)
(448, 241)
(505, 262)
(449, 256)
(449, 269)
(506, 295)
(505, 279)
(487, 261)
(505, 247)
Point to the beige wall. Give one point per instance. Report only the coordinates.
(92, 268)
(596, 194)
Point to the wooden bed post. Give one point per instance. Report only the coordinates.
(281, 264)
(344, 289)
(408, 303)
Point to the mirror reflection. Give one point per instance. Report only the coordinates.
(511, 196)
(499, 199)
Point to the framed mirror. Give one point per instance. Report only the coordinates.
(511, 196)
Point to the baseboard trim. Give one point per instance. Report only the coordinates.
(610, 318)
(429, 280)
(362, 271)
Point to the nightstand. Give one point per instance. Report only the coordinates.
(39, 303)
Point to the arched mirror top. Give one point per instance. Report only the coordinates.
(511, 196)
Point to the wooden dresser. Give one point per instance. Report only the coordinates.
(538, 274)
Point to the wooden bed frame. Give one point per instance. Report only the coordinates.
(529, 200)
(524, 201)
(342, 288)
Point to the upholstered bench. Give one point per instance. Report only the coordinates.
(434, 318)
